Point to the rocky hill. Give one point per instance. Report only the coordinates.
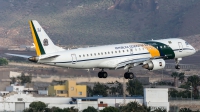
(99, 21)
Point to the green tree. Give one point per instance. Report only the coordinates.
(119, 88)
(71, 109)
(134, 87)
(110, 109)
(174, 75)
(113, 90)
(100, 89)
(89, 91)
(3, 62)
(90, 109)
(13, 80)
(134, 107)
(160, 110)
(24, 79)
(181, 77)
(56, 109)
(185, 110)
(38, 106)
(195, 81)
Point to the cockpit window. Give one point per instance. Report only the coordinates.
(187, 43)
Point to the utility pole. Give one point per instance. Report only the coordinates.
(191, 91)
(124, 91)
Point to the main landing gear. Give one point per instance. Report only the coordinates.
(102, 74)
(128, 75)
(177, 60)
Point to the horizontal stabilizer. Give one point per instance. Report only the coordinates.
(42, 57)
(18, 55)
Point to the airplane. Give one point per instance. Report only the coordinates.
(151, 54)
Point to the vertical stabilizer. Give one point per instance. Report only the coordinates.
(43, 44)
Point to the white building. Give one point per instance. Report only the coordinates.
(156, 98)
(18, 101)
(15, 88)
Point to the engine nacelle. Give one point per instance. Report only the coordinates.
(155, 64)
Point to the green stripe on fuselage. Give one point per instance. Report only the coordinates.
(38, 40)
(164, 51)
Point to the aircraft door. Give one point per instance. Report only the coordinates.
(74, 59)
(180, 46)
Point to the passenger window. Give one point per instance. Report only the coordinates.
(131, 49)
(79, 55)
(135, 49)
(108, 52)
(83, 55)
(115, 51)
(123, 50)
(119, 51)
(105, 52)
(160, 46)
(98, 53)
(87, 54)
(101, 53)
(112, 52)
(91, 54)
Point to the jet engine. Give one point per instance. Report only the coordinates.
(155, 64)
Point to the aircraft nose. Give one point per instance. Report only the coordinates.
(194, 50)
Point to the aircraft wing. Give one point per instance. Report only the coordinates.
(134, 61)
(18, 55)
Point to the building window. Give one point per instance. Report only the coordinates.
(20, 99)
(80, 93)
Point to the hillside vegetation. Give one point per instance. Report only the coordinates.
(95, 22)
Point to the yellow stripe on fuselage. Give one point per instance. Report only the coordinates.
(152, 50)
(34, 40)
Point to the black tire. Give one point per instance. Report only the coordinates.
(177, 66)
(126, 76)
(131, 75)
(100, 75)
(104, 74)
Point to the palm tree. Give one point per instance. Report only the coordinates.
(174, 75)
(185, 110)
(181, 77)
(134, 87)
(134, 107)
(195, 81)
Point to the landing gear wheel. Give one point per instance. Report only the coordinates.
(131, 75)
(102, 74)
(128, 75)
(177, 66)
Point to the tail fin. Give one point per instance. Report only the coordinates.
(43, 44)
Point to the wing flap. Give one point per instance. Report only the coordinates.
(133, 61)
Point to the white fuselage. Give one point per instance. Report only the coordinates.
(109, 56)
